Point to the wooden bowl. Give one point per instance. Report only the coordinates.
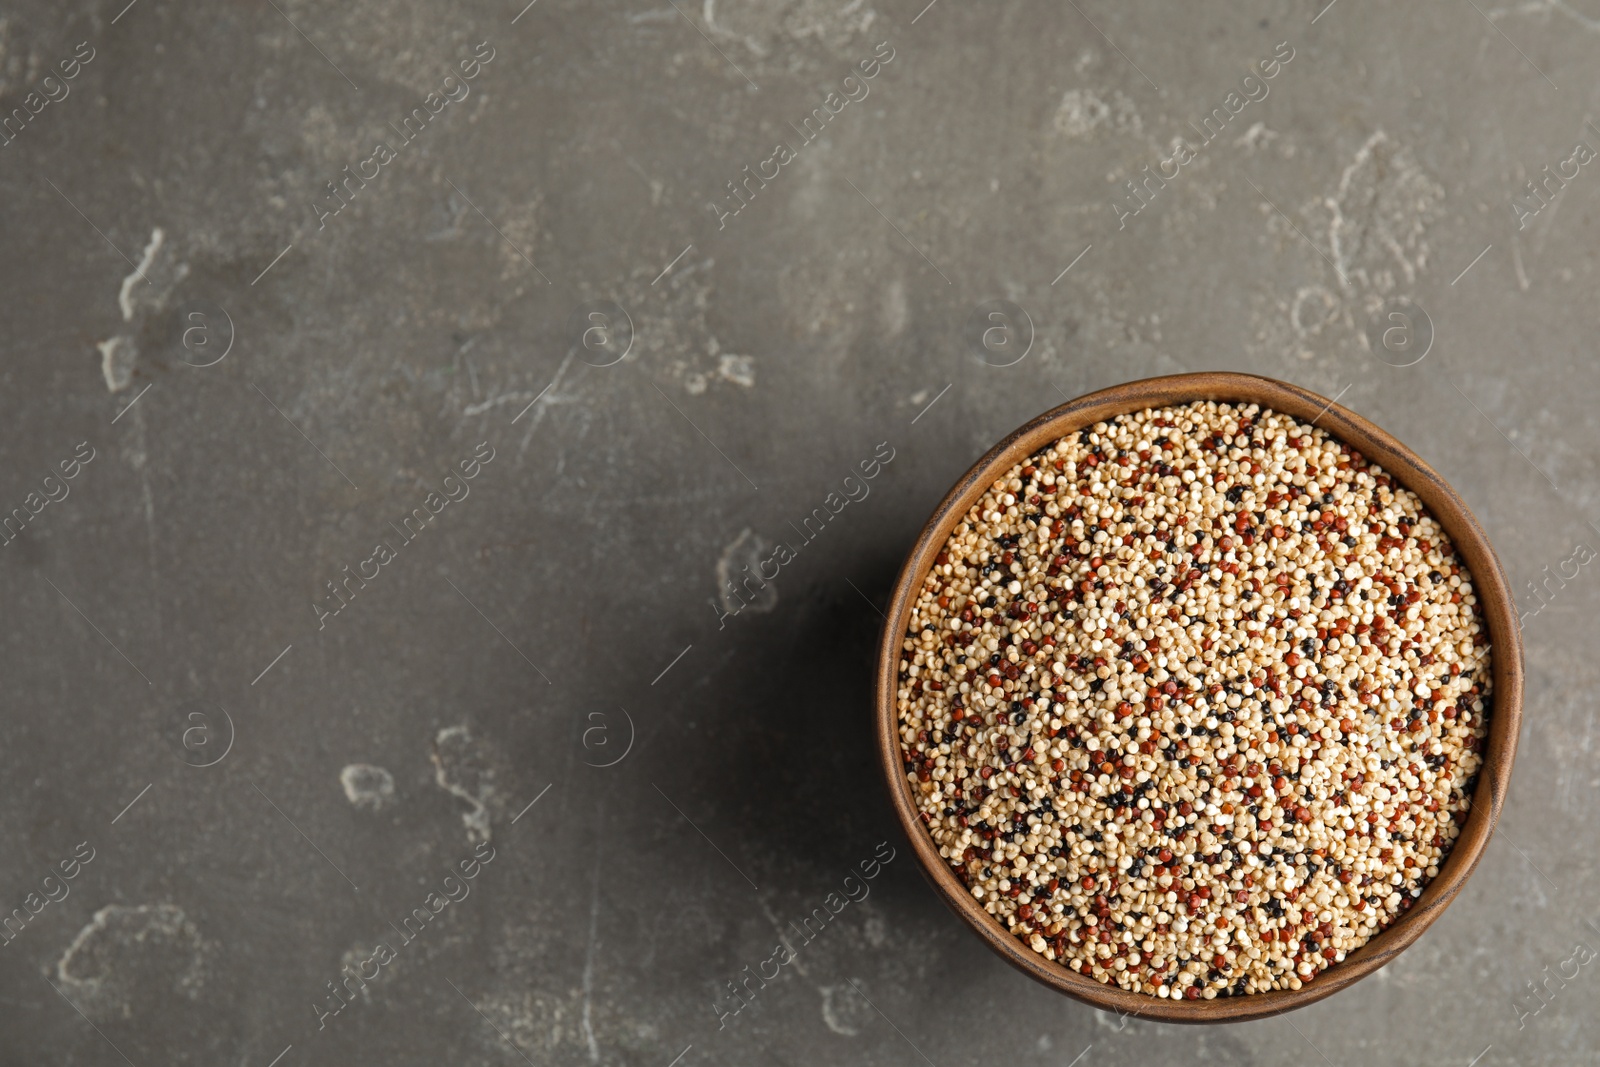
(1495, 600)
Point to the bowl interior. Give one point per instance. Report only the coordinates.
(1495, 602)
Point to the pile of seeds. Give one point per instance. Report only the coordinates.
(1193, 700)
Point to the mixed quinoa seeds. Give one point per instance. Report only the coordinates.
(1193, 700)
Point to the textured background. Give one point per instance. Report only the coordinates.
(565, 615)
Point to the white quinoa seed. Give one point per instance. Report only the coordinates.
(1193, 701)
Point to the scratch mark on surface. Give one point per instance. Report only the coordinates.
(532, 402)
(588, 961)
(1516, 261)
(777, 928)
(544, 405)
(494, 402)
(141, 463)
(1545, 7)
(1512, 174)
(1550, 221)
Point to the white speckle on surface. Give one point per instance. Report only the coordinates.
(138, 277)
(740, 585)
(130, 959)
(536, 1020)
(1314, 307)
(1378, 217)
(843, 1009)
(461, 767)
(351, 962)
(366, 786)
(1081, 113)
(492, 402)
(1256, 137)
(740, 370)
(1111, 1021)
(1546, 7)
(518, 241)
(147, 287)
(117, 357)
(1375, 238)
(896, 313)
(758, 27)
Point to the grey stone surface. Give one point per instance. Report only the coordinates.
(557, 637)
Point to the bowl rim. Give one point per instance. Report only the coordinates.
(1405, 467)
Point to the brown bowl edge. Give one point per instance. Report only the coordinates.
(1495, 600)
